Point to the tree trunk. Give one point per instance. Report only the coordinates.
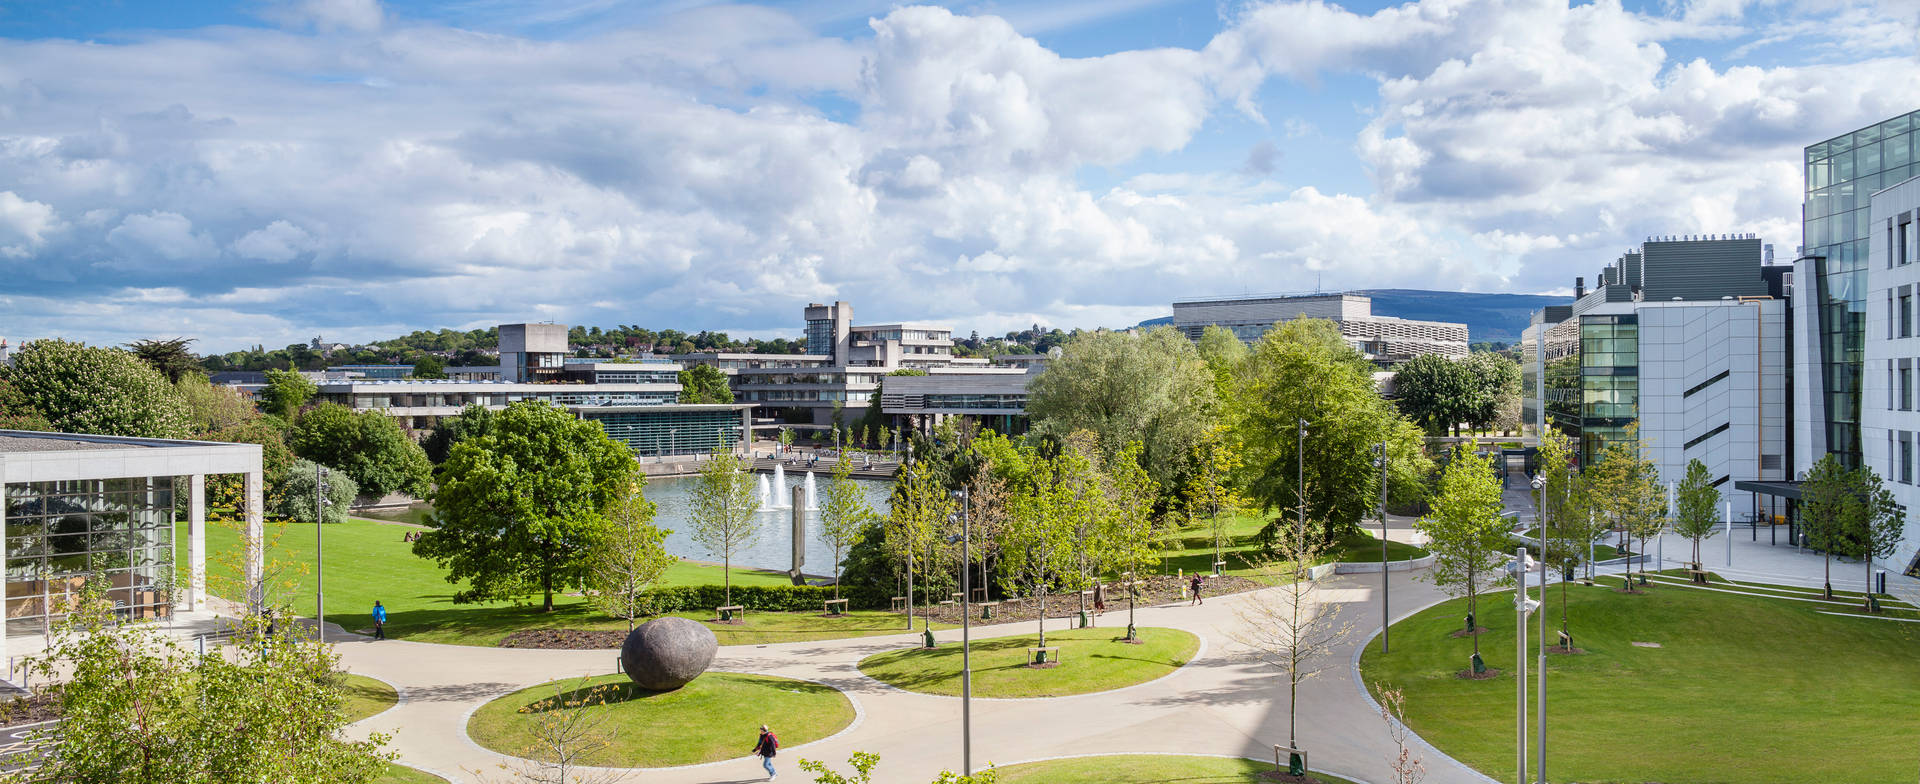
(836, 571)
(546, 585)
(1473, 610)
(726, 575)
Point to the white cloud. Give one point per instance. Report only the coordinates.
(277, 241)
(167, 235)
(24, 225)
(360, 16)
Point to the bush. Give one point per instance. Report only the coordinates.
(765, 598)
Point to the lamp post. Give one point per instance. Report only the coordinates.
(1380, 459)
(966, 638)
(1540, 529)
(320, 488)
(1522, 606)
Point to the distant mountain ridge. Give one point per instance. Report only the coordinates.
(1489, 317)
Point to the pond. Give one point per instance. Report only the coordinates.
(773, 549)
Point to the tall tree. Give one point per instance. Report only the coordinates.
(1305, 370)
(1037, 539)
(1827, 502)
(919, 508)
(78, 388)
(1152, 388)
(1437, 392)
(211, 407)
(1878, 527)
(1557, 497)
(1130, 496)
(723, 509)
(1224, 354)
(517, 510)
(368, 445)
(286, 391)
(1465, 533)
(1696, 506)
(169, 356)
(704, 384)
(845, 514)
(473, 420)
(429, 366)
(630, 558)
(1495, 381)
(295, 499)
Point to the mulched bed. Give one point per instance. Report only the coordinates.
(1477, 630)
(17, 711)
(1467, 675)
(565, 639)
(1281, 775)
(1160, 589)
(1561, 649)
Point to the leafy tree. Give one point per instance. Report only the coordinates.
(722, 511)
(472, 420)
(368, 445)
(295, 499)
(1827, 504)
(1558, 496)
(631, 557)
(1152, 388)
(1437, 392)
(16, 413)
(1291, 627)
(170, 357)
(212, 408)
(844, 514)
(518, 509)
(1696, 505)
(1495, 380)
(1211, 497)
(137, 705)
(1129, 504)
(1304, 369)
(919, 509)
(704, 384)
(1037, 539)
(429, 366)
(286, 391)
(228, 491)
(1875, 531)
(1465, 533)
(1626, 484)
(1224, 354)
(78, 388)
(862, 763)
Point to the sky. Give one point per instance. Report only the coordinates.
(262, 172)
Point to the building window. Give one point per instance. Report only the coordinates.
(1906, 312)
(1891, 318)
(1906, 457)
(1905, 395)
(1900, 248)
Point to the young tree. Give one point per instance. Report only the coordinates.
(1465, 533)
(1625, 485)
(1557, 499)
(1877, 528)
(1210, 490)
(919, 509)
(1696, 505)
(1827, 502)
(212, 408)
(1291, 627)
(517, 510)
(786, 439)
(631, 557)
(723, 509)
(1130, 496)
(844, 514)
(286, 391)
(568, 729)
(296, 497)
(1408, 768)
(1038, 534)
(1093, 534)
(78, 388)
(368, 445)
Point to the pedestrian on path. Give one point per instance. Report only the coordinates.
(1099, 600)
(1194, 583)
(765, 749)
(379, 621)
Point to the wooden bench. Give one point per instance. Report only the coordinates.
(726, 613)
(899, 604)
(986, 609)
(836, 607)
(1038, 655)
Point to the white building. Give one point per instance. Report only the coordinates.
(1889, 411)
(1383, 339)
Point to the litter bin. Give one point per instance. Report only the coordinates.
(1880, 581)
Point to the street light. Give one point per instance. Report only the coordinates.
(1380, 460)
(966, 638)
(320, 488)
(1522, 607)
(1540, 527)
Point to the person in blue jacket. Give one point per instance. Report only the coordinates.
(379, 621)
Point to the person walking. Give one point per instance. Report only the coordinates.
(1099, 601)
(765, 749)
(1194, 583)
(379, 621)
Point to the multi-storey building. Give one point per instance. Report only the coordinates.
(1384, 339)
(1685, 338)
(1890, 410)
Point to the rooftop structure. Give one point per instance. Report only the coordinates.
(1384, 339)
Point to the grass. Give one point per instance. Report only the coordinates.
(367, 561)
(1743, 689)
(1601, 552)
(762, 628)
(1143, 769)
(1191, 550)
(1091, 660)
(366, 696)
(401, 774)
(715, 717)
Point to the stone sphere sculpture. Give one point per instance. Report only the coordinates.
(666, 653)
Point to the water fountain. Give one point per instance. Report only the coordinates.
(813, 501)
(779, 487)
(765, 494)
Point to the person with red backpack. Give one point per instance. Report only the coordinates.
(765, 749)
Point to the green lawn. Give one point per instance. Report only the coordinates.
(366, 696)
(762, 628)
(367, 561)
(401, 774)
(1143, 769)
(1191, 550)
(1091, 660)
(1743, 689)
(715, 717)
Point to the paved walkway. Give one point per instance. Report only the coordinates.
(1223, 702)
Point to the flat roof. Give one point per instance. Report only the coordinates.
(27, 456)
(583, 409)
(52, 442)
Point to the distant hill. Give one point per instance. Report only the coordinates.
(1489, 317)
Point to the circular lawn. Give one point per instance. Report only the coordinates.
(703, 721)
(1091, 660)
(1144, 769)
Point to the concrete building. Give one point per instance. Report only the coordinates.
(79, 507)
(1702, 370)
(1383, 339)
(1890, 414)
(532, 352)
(996, 397)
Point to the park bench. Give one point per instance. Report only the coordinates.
(899, 604)
(986, 609)
(836, 607)
(726, 613)
(1038, 655)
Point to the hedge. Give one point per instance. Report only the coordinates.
(765, 598)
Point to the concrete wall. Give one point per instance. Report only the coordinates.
(1705, 365)
(1883, 420)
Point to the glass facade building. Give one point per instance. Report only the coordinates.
(671, 430)
(1842, 173)
(59, 535)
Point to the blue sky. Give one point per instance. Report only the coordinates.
(267, 170)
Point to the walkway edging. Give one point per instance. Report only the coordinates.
(1374, 567)
(1197, 654)
(1360, 684)
(1349, 777)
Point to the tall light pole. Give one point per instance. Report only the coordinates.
(1540, 691)
(1380, 459)
(1521, 607)
(966, 638)
(320, 488)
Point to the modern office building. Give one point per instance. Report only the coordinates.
(1384, 339)
(1684, 337)
(1830, 313)
(995, 397)
(386, 372)
(83, 507)
(1890, 410)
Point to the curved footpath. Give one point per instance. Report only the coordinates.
(1224, 702)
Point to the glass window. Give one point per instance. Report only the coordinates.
(1843, 168)
(1897, 151)
(1906, 315)
(1906, 457)
(1906, 385)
